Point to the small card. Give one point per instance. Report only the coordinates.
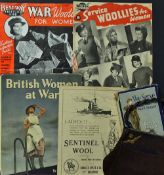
(146, 118)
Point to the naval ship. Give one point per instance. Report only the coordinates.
(94, 109)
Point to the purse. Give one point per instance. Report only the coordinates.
(137, 152)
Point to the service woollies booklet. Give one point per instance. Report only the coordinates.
(112, 43)
(35, 38)
(89, 128)
(29, 112)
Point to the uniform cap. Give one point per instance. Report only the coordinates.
(16, 20)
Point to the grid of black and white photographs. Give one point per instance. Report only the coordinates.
(111, 55)
(131, 45)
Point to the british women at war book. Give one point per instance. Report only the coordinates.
(29, 115)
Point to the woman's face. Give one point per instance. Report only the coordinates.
(86, 75)
(114, 73)
(139, 35)
(136, 64)
(130, 102)
(31, 110)
(113, 37)
(17, 28)
(84, 33)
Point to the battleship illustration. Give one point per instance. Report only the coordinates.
(93, 108)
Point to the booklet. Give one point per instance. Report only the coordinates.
(35, 38)
(89, 128)
(116, 39)
(146, 118)
(29, 113)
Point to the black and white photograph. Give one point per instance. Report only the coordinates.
(114, 43)
(87, 46)
(90, 75)
(139, 69)
(140, 37)
(44, 50)
(16, 27)
(111, 75)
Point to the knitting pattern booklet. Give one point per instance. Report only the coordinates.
(35, 38)
(106, 34)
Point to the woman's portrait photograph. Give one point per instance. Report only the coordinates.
(16, 27)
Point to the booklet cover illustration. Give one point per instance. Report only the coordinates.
(30, 122)
(35, 39)
(106, 34)
(147, 118)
